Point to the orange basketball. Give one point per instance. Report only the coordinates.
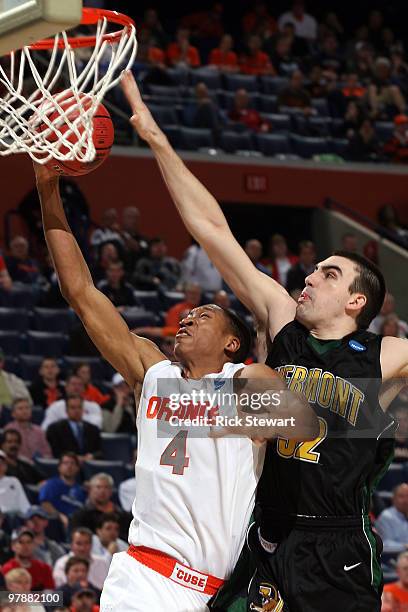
(103, 136)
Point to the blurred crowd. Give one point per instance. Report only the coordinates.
(348, 88)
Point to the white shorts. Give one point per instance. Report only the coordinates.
(134, 587)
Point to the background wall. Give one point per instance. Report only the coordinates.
(125, 180)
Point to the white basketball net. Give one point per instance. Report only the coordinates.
(21, 116)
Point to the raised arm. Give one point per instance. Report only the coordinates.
(202, 216)
(128, 354)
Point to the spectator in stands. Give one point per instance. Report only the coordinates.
(74, 434)
(5, 551)
(223, 57)
(33, 440)
(280, 50)
(353, 119)
(152, 26)
(166, 345)
(18, 466)
(259, 21)
(108, 253)
(392, 524)
(119, 414)
(364, 145)
(383, 97)
(126, 493)
(256, 61)
(279, 260)
(352, 89)
(198, 269)
(395, 594)
(91, 393)
(135, 244)
(109, 230)
(106, 541)
(116, 288)
(253, 248)
(46, 550)
(12, 494)
(23, 545)
(375, 28)
(11, 386)
(100, 502)
(317, 85)
(222, 299)
(192, 299)
(181, 53)
(206, 25)
(400, 413)
(157, 270)
(295, 281)
(390, 326)
(76, 571)
(19, 580)
(399, 68)
(305, 24)
(58, 410)
(294, 95)
(81, 544)
(333, 23)
(5, 279)
(249, 117)
(388, 218)
(61, 495)
(84, 600)
(203, 113)
(47, 387)
(388, 308)
(362, 62)
(396, 149)
(22, 268)
(329, 56)
(349, 242)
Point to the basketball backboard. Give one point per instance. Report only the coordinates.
(23, 22)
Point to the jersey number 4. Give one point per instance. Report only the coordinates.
(304, 451)
(175, 454)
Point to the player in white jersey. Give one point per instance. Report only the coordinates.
(194, 494)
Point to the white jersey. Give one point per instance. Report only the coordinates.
(194, 495)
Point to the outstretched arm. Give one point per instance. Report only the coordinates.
(203, 217)
(128, 354)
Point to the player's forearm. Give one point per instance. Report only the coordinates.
(70, 266)
(199, 210)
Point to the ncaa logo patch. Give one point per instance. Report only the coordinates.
(218, 384)
(356, 346)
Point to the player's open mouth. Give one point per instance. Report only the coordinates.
(182, 332)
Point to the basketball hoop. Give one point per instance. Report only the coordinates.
(30, 122)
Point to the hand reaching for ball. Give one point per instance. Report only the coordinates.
(141, 119)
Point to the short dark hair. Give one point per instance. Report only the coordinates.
(75, 561)
(14, 432)
(370, 281)
(107, 517)
(69, 454)
(240, 329)
(82, 531)
(73, 396)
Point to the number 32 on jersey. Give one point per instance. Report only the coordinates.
(304, 451)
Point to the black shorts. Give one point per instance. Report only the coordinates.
(317, 569)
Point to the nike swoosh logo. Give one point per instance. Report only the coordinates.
(347, 568)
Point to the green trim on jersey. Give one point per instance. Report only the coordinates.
(322, 346)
